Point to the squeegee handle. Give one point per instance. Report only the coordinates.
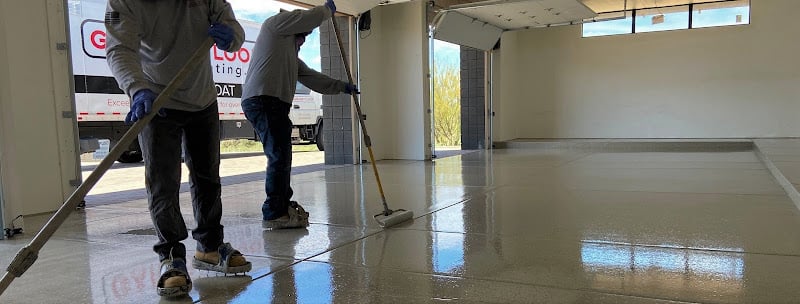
(28, 254)
(357, 104)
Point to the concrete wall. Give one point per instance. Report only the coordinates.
(473, 98)
(37, 144)
(395, 95)
(337, 110)
(724, 82)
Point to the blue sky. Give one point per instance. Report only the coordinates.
(446, 54)
(258, 11)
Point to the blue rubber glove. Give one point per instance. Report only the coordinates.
(331, 5)
(222, 34)
(141, 104)
(351, 88)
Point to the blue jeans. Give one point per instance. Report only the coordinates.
(161, 143)
(270, 118)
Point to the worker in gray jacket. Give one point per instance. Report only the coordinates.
(267, 97)
(147, 44)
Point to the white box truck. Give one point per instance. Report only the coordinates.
(102, 106)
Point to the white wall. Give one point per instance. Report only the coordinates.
(394, 65)
(725, 82)
(37, 145)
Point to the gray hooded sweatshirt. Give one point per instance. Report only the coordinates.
(148, 41)
(275, 68)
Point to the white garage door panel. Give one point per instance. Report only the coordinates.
(520, 14)
(457, 28)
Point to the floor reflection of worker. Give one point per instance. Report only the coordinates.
(284, 283)
(220, 288)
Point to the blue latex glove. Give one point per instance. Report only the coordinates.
(141, 104)
(222, 34)
(331, 5)
(351, 88)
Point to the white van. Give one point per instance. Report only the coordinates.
(102, 106)
(306, 116)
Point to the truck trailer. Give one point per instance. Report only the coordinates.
(102, 106)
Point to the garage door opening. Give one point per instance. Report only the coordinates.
(446, 98)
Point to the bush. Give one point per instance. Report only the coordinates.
(447, 106)
(247, 145)
(240, 145)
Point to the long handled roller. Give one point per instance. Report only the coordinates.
(28, 254)
(388, 217)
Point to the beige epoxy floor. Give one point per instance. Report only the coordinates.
(523, 226)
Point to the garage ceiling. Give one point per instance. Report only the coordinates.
(522, 13)
(479, 23)
(510, 14)
(603, 6)
(349, 7)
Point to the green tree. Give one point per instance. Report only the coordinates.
(447, 106)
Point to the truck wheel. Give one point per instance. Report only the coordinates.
(318, 138)
(129, 157)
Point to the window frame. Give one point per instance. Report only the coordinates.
(633, 13)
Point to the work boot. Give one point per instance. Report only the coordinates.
(296, 217)
(225, 260)
(174, 280)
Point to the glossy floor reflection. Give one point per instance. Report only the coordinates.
(502, 226)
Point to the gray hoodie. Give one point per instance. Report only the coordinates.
(275, 68)
(148, 41)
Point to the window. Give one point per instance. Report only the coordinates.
(662, 19)
(678, 17)
(610, 24)
(721, 14)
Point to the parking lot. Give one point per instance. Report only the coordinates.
(125, 182)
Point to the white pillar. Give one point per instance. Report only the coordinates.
(395, 86)
(38, 131)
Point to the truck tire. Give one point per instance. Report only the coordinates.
(129, 157)
(318, 137)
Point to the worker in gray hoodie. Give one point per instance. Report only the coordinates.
(147, 44)
(267, 97)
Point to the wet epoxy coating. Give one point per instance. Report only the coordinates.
(502, 226)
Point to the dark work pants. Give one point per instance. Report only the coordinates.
(161, 143)
(270, 118)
